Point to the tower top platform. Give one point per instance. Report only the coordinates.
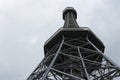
(72, 30)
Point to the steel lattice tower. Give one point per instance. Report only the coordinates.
(74, 53)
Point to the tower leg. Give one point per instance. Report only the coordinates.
(83, 64)
(52, 62)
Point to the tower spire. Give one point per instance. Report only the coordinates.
(70, 16)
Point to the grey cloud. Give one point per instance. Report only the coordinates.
(20, 21)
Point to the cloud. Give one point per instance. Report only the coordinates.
(26, 24)
(34, 40)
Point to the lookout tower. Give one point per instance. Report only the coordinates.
(74, 53)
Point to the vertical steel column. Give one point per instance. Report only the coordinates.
(83, 64)
(52, 62)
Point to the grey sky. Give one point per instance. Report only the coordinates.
(26, 24)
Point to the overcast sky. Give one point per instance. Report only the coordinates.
(26, 24)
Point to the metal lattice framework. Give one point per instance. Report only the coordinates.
(74, 53)
(72, 59)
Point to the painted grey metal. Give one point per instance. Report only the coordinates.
(109, 60)
(53, 61)
(83, 64)
(76, 78)
(70, 16)
(74, 53)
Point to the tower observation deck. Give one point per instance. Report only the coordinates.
(74, 53)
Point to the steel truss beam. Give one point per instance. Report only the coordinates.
(75, 59)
